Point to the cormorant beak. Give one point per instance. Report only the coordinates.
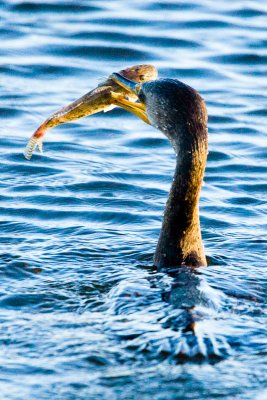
(132, 87)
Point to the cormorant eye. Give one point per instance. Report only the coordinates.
(141, 95)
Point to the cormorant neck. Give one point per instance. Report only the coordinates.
(180, 240)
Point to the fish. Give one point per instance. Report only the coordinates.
(102, 98)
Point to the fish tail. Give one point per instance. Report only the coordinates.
(31, 145)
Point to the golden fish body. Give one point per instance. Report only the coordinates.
(98, 99)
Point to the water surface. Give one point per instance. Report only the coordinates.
(84, 315)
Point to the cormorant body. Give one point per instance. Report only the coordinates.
(179, 112)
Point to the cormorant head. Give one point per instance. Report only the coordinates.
(169, 105)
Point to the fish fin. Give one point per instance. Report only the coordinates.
(40, 146)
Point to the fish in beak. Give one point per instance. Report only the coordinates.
(105, 96)
(132, 89)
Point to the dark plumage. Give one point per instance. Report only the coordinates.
(180, 113)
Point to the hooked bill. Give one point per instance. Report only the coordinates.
(98, 99)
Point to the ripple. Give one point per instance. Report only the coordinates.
(248, 12)
(83, 311)
(100, 52)
(25, 170)
(50, 7)
(9, 112)
(243, 59)
(51, 71)
(137, 39)
(208, 24)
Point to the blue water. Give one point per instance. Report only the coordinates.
(84, 315)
